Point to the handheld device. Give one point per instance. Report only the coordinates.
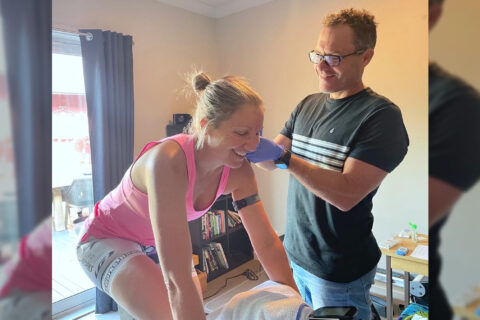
(329, 313)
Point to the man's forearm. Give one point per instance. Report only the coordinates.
(332, 186)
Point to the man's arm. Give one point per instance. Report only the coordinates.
(442, 196)
(344, 189)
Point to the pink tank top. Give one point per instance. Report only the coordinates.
(30, 269)
(123, 213)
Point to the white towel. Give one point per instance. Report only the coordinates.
(267, 301)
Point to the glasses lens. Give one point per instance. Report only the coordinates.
(332, 60)
(314, 57)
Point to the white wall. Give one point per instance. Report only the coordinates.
(269, 45)
(454, 45)
(168, 42)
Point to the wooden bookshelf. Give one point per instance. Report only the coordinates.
(234, 241)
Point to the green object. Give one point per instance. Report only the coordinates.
(414, 232)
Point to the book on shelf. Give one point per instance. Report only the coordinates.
(214, 257)
(233, 219)
(213, 224)
(219, 254)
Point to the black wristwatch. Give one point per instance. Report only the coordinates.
(284, 160)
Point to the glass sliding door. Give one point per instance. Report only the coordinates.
(72, 186)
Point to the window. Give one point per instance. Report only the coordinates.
(72, 185)
(9, 234)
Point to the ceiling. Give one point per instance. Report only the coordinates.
(215, 8)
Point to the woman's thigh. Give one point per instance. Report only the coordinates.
(101, 259)
(123, 270)
(140, 288)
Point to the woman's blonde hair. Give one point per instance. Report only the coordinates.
(217, 101)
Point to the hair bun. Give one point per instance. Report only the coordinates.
(200, 82)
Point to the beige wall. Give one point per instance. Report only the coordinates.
(455, 42)
(168, 41)
(269, 45)
(454, 45)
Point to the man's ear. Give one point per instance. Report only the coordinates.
(367, 56)
(434, 14)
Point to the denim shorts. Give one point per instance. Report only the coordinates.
(101, 259)
(318, 292)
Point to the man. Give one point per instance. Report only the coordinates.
(454, 158)
(338, 146)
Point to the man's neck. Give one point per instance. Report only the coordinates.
(347, 93)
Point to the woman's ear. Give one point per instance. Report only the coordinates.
(203, 123)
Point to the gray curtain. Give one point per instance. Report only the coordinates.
(26, 200)
(27, 36)
(108, 73)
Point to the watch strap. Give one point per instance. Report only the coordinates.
(284, 158)
(242, 203)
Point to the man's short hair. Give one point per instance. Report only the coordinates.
(362, 23)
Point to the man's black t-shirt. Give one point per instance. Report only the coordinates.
(454, 157)
(329, 243)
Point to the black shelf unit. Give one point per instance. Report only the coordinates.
(235, 241)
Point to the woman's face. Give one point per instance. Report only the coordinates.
(237, 135)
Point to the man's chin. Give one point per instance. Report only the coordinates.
(326, 87)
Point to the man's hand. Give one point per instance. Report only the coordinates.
(266, 150)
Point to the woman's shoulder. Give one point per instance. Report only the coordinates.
(241, 177)
(167, 154)
(166, 157)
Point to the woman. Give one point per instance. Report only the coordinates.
(173, 181)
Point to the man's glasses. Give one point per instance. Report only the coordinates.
(331, 59)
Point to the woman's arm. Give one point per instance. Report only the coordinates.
(265, 241)
(166, 182)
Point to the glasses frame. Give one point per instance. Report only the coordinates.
(340, 58)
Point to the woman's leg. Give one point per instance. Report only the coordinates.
(121, 268)
(139, 287)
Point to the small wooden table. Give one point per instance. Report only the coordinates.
(405, 263)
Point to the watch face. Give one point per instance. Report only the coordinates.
(281, 165)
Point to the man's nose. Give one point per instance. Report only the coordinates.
(322, 66)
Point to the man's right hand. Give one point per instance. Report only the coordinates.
(266, 150)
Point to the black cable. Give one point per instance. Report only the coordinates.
(249, 274)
